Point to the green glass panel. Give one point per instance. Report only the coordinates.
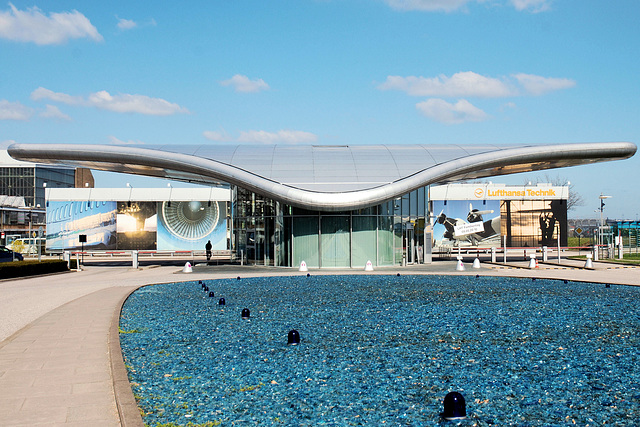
(363, 245)
(305, 241)
(385, 240)
(335, 241)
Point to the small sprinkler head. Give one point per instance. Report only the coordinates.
(246, 313)
(293, 337)
(454, 407)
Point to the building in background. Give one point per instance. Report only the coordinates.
(22, 194)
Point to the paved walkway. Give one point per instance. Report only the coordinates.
(60, 360)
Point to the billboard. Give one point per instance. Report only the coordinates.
(67, 221)
(535, 222)
(462, 223)
(175, 225)
(189, 225)
(136, 225)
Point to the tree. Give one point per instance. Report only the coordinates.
(574, 200)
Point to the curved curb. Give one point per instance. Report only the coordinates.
(125, 402)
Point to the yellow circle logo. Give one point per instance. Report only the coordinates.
(478, 192)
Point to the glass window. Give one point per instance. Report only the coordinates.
(363, 245)
(335, 241)
(305, 241)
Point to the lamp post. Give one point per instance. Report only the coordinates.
(600, 239)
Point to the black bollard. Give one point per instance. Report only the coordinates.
(308, 275)
(211, 294)
(398, 274)
(246, 313)
(566, 281)
(607, 285)
(221, 302)
(238, 278)
(206, 288)
(293, 338)
(454, 407)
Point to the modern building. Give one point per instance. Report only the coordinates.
(330, 206)
(22, 193)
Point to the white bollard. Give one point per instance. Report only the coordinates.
(476, 263)
(589, 263)
(532, 261)
(368, 266)
(545, 254)
(303, 266)
(493, 255)
(187, 268)
(134, 259)
(460, 265)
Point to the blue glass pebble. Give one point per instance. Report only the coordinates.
(385, 350)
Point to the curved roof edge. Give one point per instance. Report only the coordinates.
(185, 167)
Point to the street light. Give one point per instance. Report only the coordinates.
(600, 239)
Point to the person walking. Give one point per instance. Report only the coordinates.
(208, 249)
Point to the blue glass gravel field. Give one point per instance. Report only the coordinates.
(384, 350)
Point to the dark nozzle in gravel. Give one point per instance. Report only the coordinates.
(454, 407)
(293, 338)
(246, 313)
(221, 301)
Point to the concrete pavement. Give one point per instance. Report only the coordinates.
(60, 360)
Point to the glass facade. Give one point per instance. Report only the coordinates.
(28, 182)
(266, 232)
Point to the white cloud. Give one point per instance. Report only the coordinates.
(14, 111)
(115, 141)
(42, 93)
(31, 25)
(427, 5)
(470, 84)
(53, 112)
(534, 6)
(126, 24)
(538, 85)
(263, 137)
(122, 103)
(460, 84)
(217, 136)
(445, 112)
(243, 84)
(125, 103)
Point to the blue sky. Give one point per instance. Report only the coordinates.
(330, 72)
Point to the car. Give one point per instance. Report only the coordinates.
(7, 255)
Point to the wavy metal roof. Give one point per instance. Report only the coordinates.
(324, 177)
